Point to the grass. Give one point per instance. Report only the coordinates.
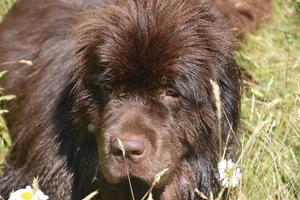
(270, 141)
(5, 141)
(269, 150)
(5, 5)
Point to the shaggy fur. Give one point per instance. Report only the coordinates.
(119, 68)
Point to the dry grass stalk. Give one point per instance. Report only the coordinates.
(90, 196)
(155, 181)
(121, 146)
(35, 185)
(217, 95)
(201, 194)
(23, 61)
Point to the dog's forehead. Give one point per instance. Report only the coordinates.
(136, 53)
(133, 57)
(144, 76)
(145, 62)
(147, 41)
(155, 64)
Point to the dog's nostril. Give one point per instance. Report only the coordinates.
(137, 152)
(134, 149)
(117, 152)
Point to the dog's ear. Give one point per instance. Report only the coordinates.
(87, 62)
(230, 84)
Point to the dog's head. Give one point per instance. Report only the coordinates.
(144, 71)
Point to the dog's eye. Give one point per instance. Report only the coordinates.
(169, 97)
(171, 92)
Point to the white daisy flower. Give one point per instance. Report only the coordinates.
(229, 173)
(28, 194)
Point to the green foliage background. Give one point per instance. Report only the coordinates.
(5, 141)
(269, 153)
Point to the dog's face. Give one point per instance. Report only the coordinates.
(148, 67)
(142, 116)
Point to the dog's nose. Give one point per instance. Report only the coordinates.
(134, 148)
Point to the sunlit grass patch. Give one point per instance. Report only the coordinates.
(270, 132)
(5, 5)
(5, 141)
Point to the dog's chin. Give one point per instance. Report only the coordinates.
(139, 187)
(122, 176)
(119, 176)
(135, 181)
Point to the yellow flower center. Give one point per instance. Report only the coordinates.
(229, 173)
(26, 195)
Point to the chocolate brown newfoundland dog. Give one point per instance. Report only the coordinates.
(135, 71)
